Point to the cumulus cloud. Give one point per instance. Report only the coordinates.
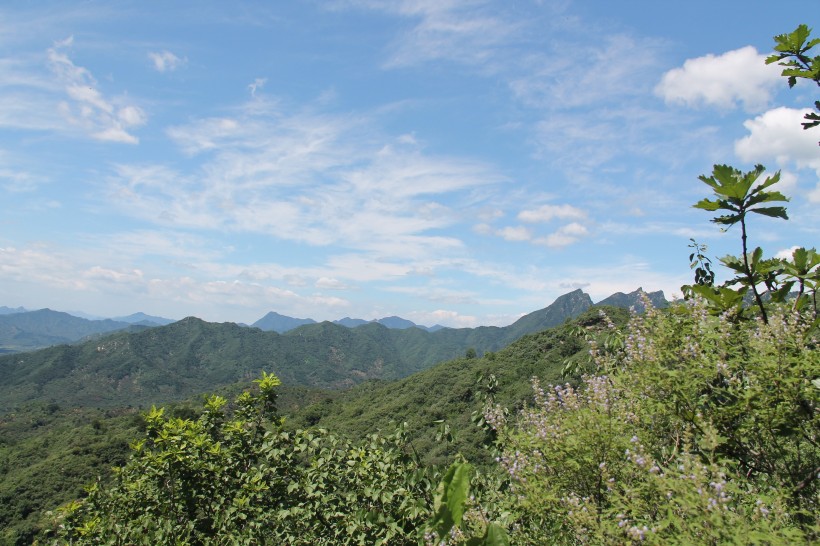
(786, 253)
(722, 81)
(777, 134)
(165, 61)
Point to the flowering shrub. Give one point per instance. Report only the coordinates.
(700, 430)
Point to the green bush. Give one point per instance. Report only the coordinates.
(700, 431)
(242, 479)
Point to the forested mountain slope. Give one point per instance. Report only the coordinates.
(48, 451)
(191, 356)
(453, 390)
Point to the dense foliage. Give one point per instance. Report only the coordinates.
(453, 393)
(238, 478)
(700, 430)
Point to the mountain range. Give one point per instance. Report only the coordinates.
(274, 322)
(176, 361)
(34, 329)
(22, 330)
(69, 412)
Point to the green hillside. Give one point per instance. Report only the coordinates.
(176, 361)
(453, 390)
(80, 443)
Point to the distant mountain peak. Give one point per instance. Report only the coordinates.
(635, 300)
(274, 322)
(142, 318)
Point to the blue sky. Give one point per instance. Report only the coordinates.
(460, 162)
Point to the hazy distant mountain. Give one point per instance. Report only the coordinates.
(274, 322)
(396, 322)
(36, 329)
(9, 310)
(86, 316)
(635, 300)
(143, 319)
(191, 356)
(351, 322)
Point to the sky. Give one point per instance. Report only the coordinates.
(453, 162)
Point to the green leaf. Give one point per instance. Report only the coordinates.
(496, 536)
(774, 212)
(707, 204)
(451, 497)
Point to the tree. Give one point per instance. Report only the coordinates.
(239, 478)
(792, 52)
(737, 194)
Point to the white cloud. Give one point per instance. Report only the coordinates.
(87, 108)
(258, 83)
(16, 178)
(565, 235)
(371, 204)
(205, 134)
(786, 253)
(165, 61)
(119, 276)
(814, 195)
(574, 229)
(115, 134)
(614, 68)
(517, 233)
(545, 213)
(738, 76)
(327, 283)
(307, 177)
(131, 115)
(633, 271)
(464, 31)
(483, 229)
(777, 134)
(450, 318)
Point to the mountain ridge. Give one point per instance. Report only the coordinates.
(172, 362)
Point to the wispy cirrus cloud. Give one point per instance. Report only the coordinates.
(165, 61)
(464, 31)
(49, 92)
(306, 177)
(87, 108)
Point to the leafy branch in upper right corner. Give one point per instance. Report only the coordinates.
(792, 51)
